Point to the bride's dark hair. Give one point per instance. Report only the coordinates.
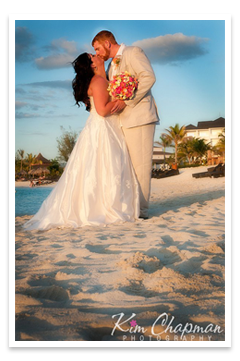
(84, 73)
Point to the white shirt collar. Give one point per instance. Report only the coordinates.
(112, 65)
(120, 50)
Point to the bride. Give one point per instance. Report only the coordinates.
(98, 185)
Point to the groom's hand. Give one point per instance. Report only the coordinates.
(118, 106)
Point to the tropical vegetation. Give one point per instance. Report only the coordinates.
(220, 146)
(188, 150)
(176, 135)
(66, 143)
(24, 166)
(194, 150)
(165, 142)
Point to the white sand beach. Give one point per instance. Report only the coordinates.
(27, 184)
(70, 282)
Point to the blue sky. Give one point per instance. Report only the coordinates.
(188, 58)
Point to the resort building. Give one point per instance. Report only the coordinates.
(158, 156)
(208, 130)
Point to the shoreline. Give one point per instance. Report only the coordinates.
(189, 170)
(26, 184)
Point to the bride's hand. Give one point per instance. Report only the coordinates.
(118, 106)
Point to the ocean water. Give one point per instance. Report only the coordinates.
(29, 200)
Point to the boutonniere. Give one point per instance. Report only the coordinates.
(116, 61)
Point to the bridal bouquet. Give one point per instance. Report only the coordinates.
(123, 86)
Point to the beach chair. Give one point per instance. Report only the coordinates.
(218, 171)
(167, 173)
(215, 172)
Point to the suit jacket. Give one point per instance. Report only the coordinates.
(142, 108)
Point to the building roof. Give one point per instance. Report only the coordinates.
(158, 152)
(44, 160)
(190, 126)
(217, 123)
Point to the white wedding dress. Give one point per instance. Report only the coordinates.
(98, 185)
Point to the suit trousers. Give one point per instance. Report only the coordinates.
(140, 146)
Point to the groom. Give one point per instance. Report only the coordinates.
(138, 116)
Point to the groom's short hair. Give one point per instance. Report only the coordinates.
(104, 35)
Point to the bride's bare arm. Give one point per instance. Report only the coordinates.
(98, 89)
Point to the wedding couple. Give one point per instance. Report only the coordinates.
(108, 175)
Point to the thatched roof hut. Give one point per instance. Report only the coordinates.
(41, 162)
(22, 172)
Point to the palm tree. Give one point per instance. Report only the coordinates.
(165, 142)
(176, 134)
(200, 147)
(221, 142)
(193, 147)
(219, 148)
(31, 159)
(21, 154)
(186, 149)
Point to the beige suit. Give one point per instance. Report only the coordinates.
(139, 119)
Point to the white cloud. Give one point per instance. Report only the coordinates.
(69, 46)
(63, 52)
(172, 48)
(55, 61)
(19, 104)
(21, 115)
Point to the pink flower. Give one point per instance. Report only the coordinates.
(123, 86)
